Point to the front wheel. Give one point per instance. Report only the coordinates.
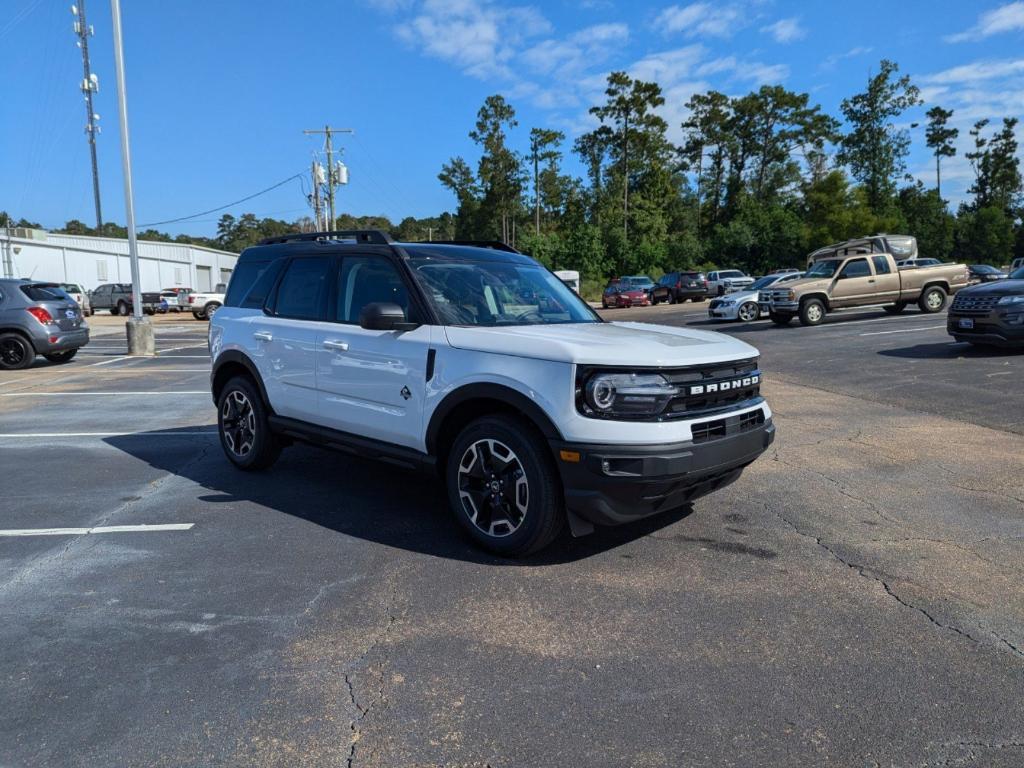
(503, 486)
(932, 300)
(61, 357)
(748, 312)
(812, 312)
(244, 429)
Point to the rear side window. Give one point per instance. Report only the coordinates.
(881, 265)
(242, 280)
(260, 291)
(301, 292)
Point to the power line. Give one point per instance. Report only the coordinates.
(222, 207)
(18, 17)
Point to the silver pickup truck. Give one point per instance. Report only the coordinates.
(860, 273)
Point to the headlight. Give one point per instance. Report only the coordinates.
(728, 301)
(1011, 300)
(791, 295)
(626, 394)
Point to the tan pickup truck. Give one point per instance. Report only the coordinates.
(859, 273)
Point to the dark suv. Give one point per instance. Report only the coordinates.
(990, 313)
(680, 286)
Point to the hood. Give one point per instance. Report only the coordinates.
(1004, 287)
(804, 283)
(612, 344)
(633, 292)
(744, 294)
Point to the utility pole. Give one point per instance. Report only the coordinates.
(335, 174)
(318, 180)
(140, 331)
(90, 85)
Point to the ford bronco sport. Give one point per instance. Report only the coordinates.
(480, 363)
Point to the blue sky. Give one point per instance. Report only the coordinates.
(219, 92)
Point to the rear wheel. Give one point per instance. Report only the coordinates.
(503, 486)
(210, 310)
(748, 312)
(812, 312)
(932, 300)
(61, 357)
(779, 318)
(122, 309)
(244, 429)
(895, 309)
(16, 352)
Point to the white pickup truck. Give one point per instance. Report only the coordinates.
(204, 305)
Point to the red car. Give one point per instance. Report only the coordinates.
(623, 294)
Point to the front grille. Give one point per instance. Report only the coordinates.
(974, 306)
(709, 430)
(778, 295)
(713, 377)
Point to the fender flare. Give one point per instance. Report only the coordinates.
(233, 356)
(488, 391)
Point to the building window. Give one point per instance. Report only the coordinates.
(101, 271)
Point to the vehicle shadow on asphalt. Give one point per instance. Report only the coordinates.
(949, 349)
(358, 497)
(764, 324)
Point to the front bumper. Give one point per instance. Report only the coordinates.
(614, 484)
(60, 341)
(787, 307)
(995, 328)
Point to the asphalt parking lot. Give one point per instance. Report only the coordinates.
(854, 599)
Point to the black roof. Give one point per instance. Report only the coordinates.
(376, 240)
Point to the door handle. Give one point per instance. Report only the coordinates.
(337, 346)
(263, 336)
(871, 280)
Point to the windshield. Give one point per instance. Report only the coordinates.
(70, 287)
(498, 293)
(639, 282)
(985, 269)
(764, 282)
(823, 268)
(731, 273)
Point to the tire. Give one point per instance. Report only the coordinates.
(721, 290)
(895, 309)
(748, 312)
(505, 450)
(121, 309)
(604, 305)
(932, 300)
(210, 310)
(812, 312)
(114, 311)
(16, 352)
(654, 301)
(780, 319)
(198, 316)
(243, 427)
(148, 311)
(699, 299)
(61, 357)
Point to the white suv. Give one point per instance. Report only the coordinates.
(478, 362)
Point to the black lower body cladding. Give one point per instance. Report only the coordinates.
(614, 484)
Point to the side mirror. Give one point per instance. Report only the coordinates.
(384, 316)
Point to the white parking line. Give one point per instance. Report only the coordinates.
(904, 330)
(51, 435)
(101, 394)
(97, 529)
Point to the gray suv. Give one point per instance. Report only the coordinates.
(38, 319)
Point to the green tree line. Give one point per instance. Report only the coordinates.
(757, 182)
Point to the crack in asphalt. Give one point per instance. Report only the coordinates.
(381, 695)
(863, 571)
(49, 556)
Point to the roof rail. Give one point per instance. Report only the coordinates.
(495, 245)
(361, 236)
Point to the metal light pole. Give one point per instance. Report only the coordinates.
(140, 330)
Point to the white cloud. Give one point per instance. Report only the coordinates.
(976, 71)
(696, 19)
(478, 36)
(835, 58)
(1005, 18)
(786, 30)
(578, 52)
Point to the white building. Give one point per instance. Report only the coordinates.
(91, 261)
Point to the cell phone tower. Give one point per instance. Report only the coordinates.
(90, 84)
